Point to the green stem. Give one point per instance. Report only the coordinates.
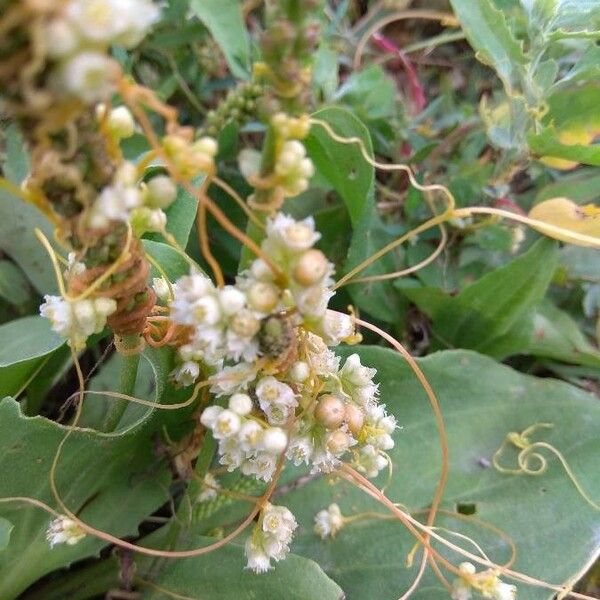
(129, 370)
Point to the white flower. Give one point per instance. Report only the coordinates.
(240, 404)
(187, 373)
(262, 466)
(161, 287)
(356, 374)
(370, 461)
(324, 461)
(313, 301)
(209, 488)
(89, 75)
(328, 521)
(274, 440)
(278, 522)
(112, 21)
(232, 379)
(114, 203)
(95, 20)
(209, 415)
(249, 162)
(258, 560)
(336, 327)
(61, 39)
(300, 450)
(230, 453)
(231, 300)
(380, 426)
(297, 236)
(188, 290)
(63, 530)
(504, 591)
(227, 424)
(77, 320)
(299, 372)
(276, 399)
(250, 436)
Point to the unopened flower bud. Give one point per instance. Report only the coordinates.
(263, 296)
(274, 440)
(338, 442)
(240, 404)
(354, 417)
(161, 287)
(311, 268)
(299, 372)
(121, 123)
(245, 324)
(330, 411)
(161, 192)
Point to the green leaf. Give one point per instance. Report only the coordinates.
(557, 336)
(25, 344)
(378, 298)
(96, 474)
(13, 285)
(18, 221)
(343, 165)
(487, 31)
(221, 575)
(582, 187)
(492, 314)
(180, 217)
(6, 528)
(224, 20)
(481, 401)
(170, 261)
(547, 143)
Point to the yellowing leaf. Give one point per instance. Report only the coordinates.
(577, 222)
(580, 136)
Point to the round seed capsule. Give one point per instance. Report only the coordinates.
(330, 411)
(311, 268)
(354, 417)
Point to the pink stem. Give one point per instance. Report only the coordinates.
(416, 90)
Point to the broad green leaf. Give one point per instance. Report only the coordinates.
(492, 314)
(481, 402)
(378, 298)
(5, 530)
(581, 263)
(548, 144)
(170, 261)
(487, 31)
(96, 475)
(221, 575)
(13, 285)
(343, 165)
(224, 20)
(557, 336)
(18, 221)
(180, 217)
(24, 346)
(582, 187)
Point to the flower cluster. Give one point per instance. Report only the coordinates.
(128, 200)
(79, 36)
(487, 584)
(63, 530)
(270, 538)
(291, 169)
(78, 319)
(265, 340)
(329, 521)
